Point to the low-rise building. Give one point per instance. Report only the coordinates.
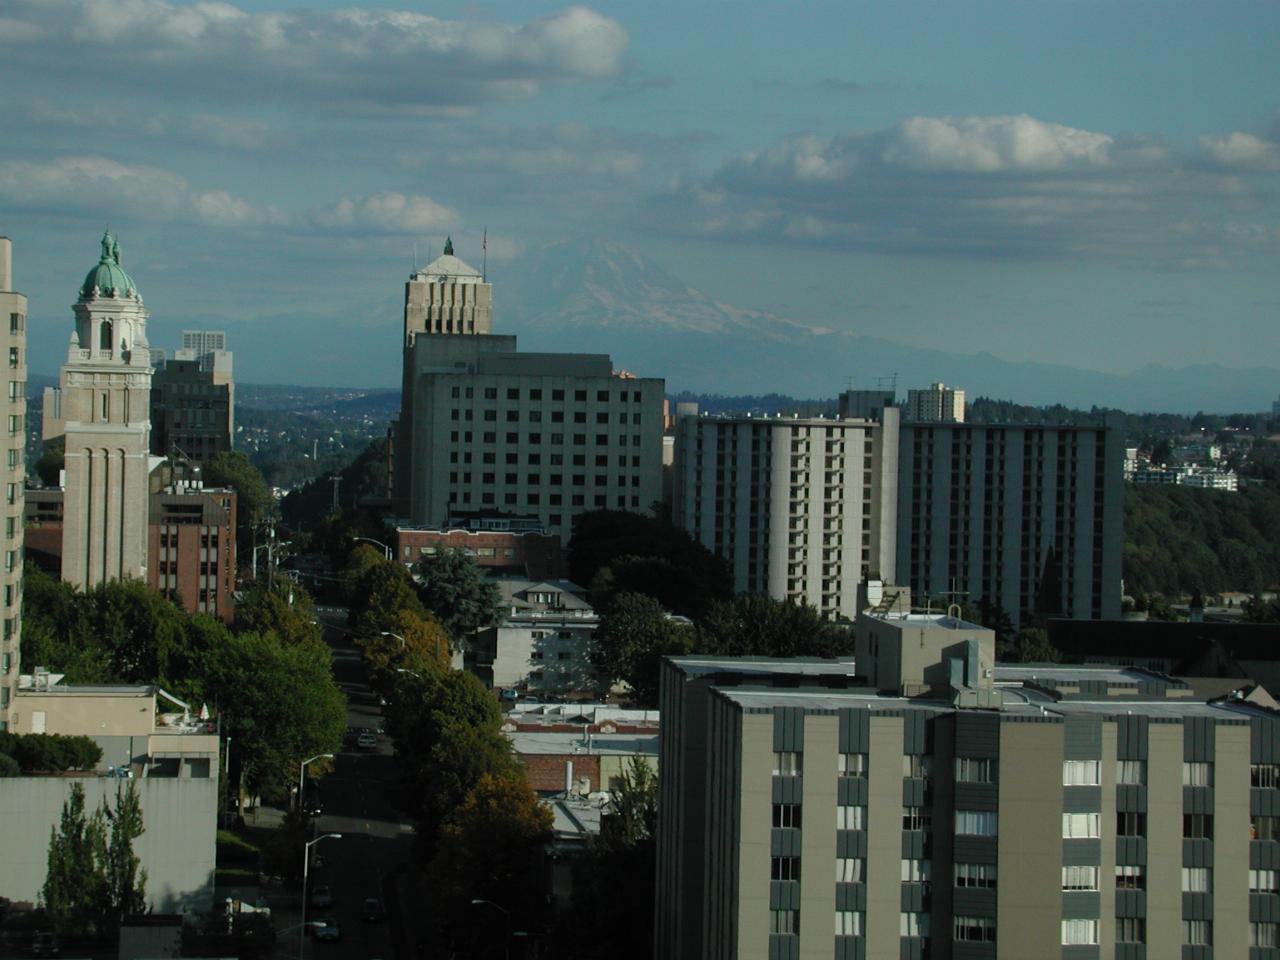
(576, 750)
(172, 759)
(499, 545)
(543, 644)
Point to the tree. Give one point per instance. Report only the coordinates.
(1033, 646)
(455, 590)
(126, 881)
(284, 610)
(635, 633)
(424, 642)
(75, 892)
(488, 846)
(757, 626)
(51, 461)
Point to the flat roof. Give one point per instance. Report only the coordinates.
(800, 666)
(556, 744)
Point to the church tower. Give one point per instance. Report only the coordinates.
(102, 408)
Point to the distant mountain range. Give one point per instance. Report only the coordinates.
(603, 297)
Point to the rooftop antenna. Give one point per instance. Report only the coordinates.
(484, 257)
(415, 256)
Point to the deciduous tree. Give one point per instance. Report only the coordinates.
(634, 635)
(455, 591)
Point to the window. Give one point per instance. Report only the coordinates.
(1197, 880)
(1077, 825)
(1197, 933)
(914, 924)
(975, 770)
(1079, 878)
(917, 818)
(1199, 826)
(580, 396)
(1130, 877)
(1264, 881)
(557, 394)
(785, 868)
(976, 823)
(1131, 824)
(1264, 935)
(917, 871)
(1078, 773)
(1197, 774)
(786, 815)
(1265, 775)
(852, 764)
(916, 766)
(783, 921)
(1131, 930)
(848, 923)
(491, 393)
(851, 818)
(1131, 772)
(976, 875)
(1260, 828)
(849, 870)
(980, 929)
(1079, 932)
(788, 764)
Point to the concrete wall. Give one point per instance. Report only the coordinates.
(88, 714)
(177, 850)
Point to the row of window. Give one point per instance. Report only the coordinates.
(535, 416)
(535, 393)
(579, 439)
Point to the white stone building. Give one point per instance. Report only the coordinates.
(938, 403)
(542, 647)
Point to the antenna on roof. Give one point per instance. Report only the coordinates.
(484, 257)
(415, 256)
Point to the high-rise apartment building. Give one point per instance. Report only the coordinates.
(938, 403)
(802, 509)
(487, 431)
(1030, 519)
(102, 409)
(1012, 813)
(13, 321)
(193, 398)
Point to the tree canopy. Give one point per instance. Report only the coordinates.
(454, 589)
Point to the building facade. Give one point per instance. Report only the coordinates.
(193, 399)
(102, 409)
(192, 547)
(1030, 519)
(13, 321)
(801, 509)
(542, 646)
(1091, 813)
(486, 430)
(938, 403)
(499, 547)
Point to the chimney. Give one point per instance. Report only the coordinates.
(568, 777)
(6, 265)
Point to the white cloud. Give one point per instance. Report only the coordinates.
(1242, 151)
(364, 59)
(385, 213)
(986, 186)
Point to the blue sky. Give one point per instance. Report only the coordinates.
(1085, 183)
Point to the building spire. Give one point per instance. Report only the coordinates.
(448, 246)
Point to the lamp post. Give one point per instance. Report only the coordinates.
(306, 860)
(388, 633)
(302, 772)
(385, 549)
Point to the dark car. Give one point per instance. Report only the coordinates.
(44, 944)
(372, 910)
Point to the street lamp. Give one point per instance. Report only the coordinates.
(306, 860)
(388, 633)
(302, 772)
(385, 549)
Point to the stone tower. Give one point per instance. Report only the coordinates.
(102, 407)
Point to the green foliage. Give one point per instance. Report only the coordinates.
(378, 591)
(126, 880)
(634, 635)
(632, 818)
(757, 626)
(615, 551)
(455, 591)
(284, 610)
(1033, 646)
(50, 463)
(235, 850)
(363, 478)
(487, 849)
(9, 766)
(49, 752)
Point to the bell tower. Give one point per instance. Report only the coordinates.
(102, 407)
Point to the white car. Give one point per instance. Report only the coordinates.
(367, 741)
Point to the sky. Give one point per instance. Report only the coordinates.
(1086, 183)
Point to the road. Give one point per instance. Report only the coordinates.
(372, 858)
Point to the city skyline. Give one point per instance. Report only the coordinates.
(1074, 183)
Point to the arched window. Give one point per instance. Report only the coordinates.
(104, 342)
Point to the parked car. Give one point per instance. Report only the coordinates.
(367, 741)
(326, 930)
(510, 695)
(322, 896)
(44, 944)
(372, 910)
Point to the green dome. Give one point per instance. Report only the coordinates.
(108, 277)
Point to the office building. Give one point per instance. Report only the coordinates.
(939, 403)
(102, 409)
(191, 543)
(486, 431)
(1012, 813)
(803, 509)
(13, 321)
(865, 404)
(1028, 518)
(193, 399)
(498, 546)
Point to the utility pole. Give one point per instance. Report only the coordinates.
(337, 482)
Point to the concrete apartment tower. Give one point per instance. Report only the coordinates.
(938, 403)
(13, 321)
(102, 408)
